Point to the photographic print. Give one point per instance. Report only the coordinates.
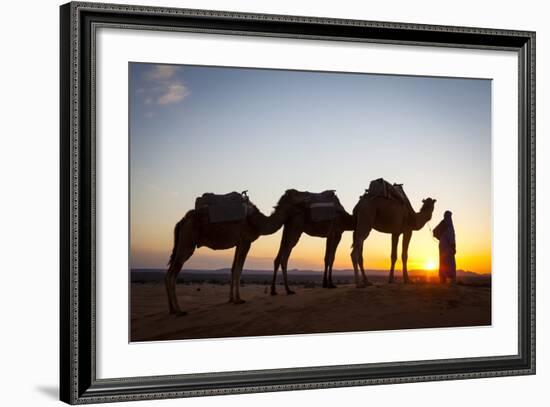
(278, 202)
(232, 182)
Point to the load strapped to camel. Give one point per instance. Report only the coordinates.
(382, 188)
(324, 206)
(229, 207)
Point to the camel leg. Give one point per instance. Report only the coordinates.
(284, 263)
(394, 242)
(355, 256)
(325, 271)
(327, 263)
(169, 280)
(232, 277)
(171, 277)
(366, 281)
(357, 253)
(332, 245)
(291, 239)
(276, 264)
(291, 234)
(405, 255)
(277, 261)
(242, 251)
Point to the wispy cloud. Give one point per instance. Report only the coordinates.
(175, 93)
(161, 72)
(163, 85)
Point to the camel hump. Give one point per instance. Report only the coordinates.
(379, 188)
(324, 205)
(208, 198)
(229, 207)
(325, 196)
(382, 188)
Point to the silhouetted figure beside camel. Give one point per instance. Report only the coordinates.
(445, 233)
(196, 229)
(321, 216)
(386, 214)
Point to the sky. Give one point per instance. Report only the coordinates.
(196, 129)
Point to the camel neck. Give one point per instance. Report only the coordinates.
(349, 221)
(268, 225)
(420, 219)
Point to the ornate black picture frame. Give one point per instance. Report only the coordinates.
(78, 381)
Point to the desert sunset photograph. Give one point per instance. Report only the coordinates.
(284, 202)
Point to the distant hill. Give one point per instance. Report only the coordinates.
(262, 276)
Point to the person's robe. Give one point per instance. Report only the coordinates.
(447, 248)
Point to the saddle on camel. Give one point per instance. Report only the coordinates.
(324, 206)
(230, 207)
(382, 188)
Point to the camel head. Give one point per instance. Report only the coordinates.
(428, 205)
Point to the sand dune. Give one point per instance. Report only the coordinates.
(311, 310)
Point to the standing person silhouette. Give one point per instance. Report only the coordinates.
(445, 233)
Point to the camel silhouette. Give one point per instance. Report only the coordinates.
(302, 222)
(386, 216)
(194, 230)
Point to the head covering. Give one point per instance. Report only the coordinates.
(445, 228)
(448, 220)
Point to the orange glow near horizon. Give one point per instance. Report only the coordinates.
(472, 254)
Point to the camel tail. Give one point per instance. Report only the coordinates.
(177, 229)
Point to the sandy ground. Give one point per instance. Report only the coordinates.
(310, 310)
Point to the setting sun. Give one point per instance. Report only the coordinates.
(430, 265)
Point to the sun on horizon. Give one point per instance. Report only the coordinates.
(430, 265)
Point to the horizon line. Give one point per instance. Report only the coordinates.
(298, 269)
